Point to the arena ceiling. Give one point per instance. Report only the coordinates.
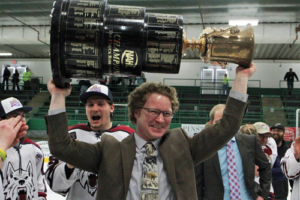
(282, 16)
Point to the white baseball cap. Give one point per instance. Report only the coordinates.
(11, 104)
(97, 90)
(261, 127)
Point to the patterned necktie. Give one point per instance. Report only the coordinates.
(150, 176)
(233, 174)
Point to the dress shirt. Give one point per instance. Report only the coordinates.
(165, 191)
(224, 171)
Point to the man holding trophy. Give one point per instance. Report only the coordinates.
(154, 162)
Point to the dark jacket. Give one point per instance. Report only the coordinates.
(209, 178)
(6, 73)
(281, 189)
(15, 78)
(289, 76)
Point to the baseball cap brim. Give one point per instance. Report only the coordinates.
(25, 109)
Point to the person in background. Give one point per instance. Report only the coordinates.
(11, 131)
(215, 174)
(289, 77)
(268, 145)
(6, 75)
(154, 162)
(22, 169)
(281, 187)
(27, 78)
(16, 80)
(290, 165)
(225, 84)
(84, 85)
(64, 178)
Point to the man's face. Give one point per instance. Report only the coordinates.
(151, 127)
(98, 113)
(16, 113)
(263, 138)
(277, 134)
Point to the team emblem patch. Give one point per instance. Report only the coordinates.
(14, 103)
(38, 156)
(95, 89)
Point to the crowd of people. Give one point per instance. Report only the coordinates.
(103, 160)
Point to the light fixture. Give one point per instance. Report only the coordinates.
(5, 54)
(243, 22)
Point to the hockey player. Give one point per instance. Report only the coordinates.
(64, 178)
(22, 170)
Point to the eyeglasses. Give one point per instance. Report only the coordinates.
(155, 112)
(264, 136)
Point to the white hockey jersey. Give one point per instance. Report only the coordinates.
(22, 171)
(80, 184)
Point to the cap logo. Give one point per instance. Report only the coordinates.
(95, 89)
(278, 124)
(264, 126)
(14, 103)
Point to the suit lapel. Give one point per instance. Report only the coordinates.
(243, 152)
(168, 161)
(216, 163)
(128, 151)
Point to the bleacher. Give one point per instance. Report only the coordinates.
(194, 106)
(291, 103)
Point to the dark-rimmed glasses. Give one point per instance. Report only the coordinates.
(155, 112)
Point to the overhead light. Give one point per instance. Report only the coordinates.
(5, 54)
(243, 22)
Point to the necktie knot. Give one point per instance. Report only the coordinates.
(149, 148)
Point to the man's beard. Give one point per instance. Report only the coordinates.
(278, 139)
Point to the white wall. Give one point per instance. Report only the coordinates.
(39, 67)
(268, 72)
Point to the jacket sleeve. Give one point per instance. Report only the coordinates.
(285, 76)
(296, 76)
(289, 165)
(42, 189)
(277, 174)
(199, 180)
(265, 172)
(213, 138)
(82, 155)
(57, 178)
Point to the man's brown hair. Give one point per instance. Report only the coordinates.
(138, 97)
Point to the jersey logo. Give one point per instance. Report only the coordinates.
(19, 183)
(88, 181)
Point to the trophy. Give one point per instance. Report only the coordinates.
(92, 38)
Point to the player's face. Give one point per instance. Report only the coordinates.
(15, 114)
(263, 138)
(98, 113)
(149, 126)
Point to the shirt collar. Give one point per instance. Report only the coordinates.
(140, 142)
(232, 140)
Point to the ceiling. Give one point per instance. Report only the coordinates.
(20, 13)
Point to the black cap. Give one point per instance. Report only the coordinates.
(279, 126)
